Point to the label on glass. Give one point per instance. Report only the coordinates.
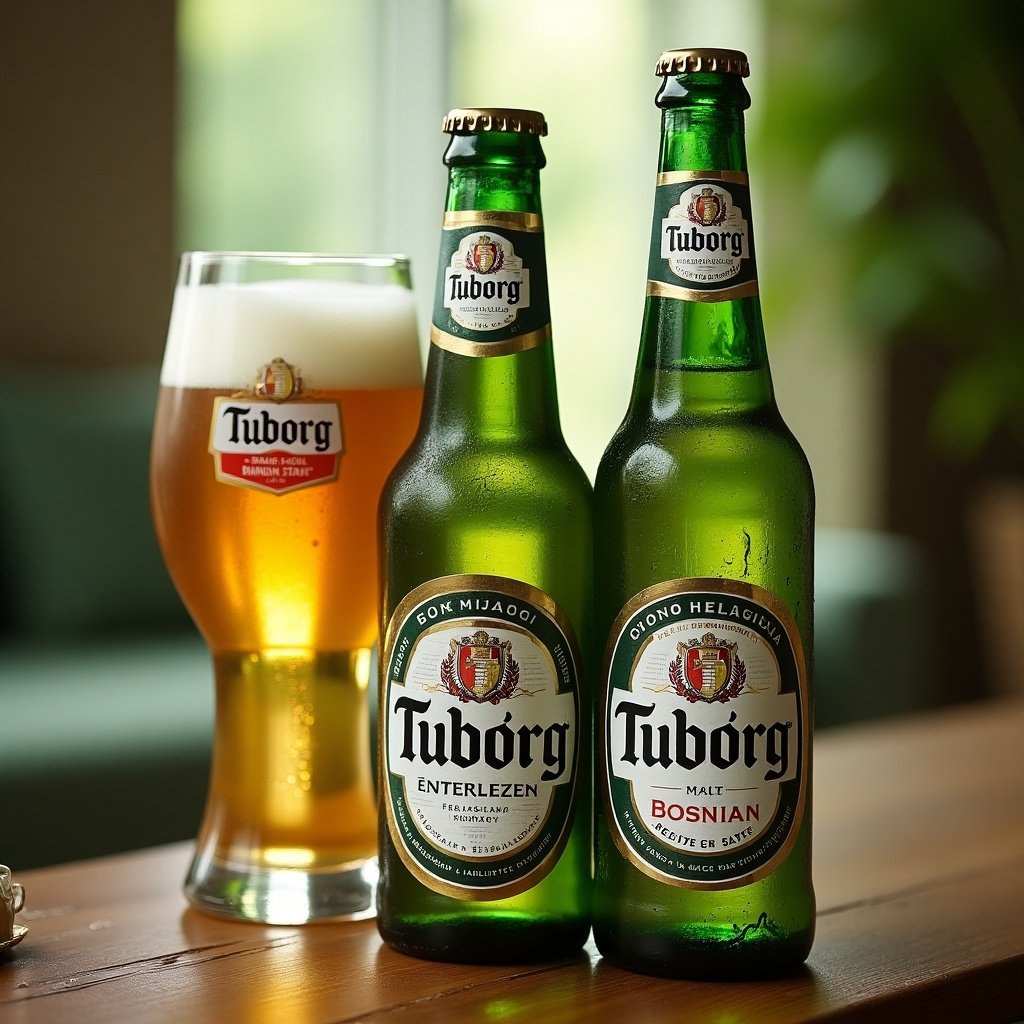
(480, 706)
(491, 297)
(705, 733)
(702, 248)
(266, 441)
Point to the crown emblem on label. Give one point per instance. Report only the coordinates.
(707, 669)
(480, 668)
(278, 380)
(708, 209)
(485, 256)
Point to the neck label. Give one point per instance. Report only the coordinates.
(702, 247)
(478, 735)
(705, 733)
(491, 297)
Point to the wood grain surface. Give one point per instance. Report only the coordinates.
(919, 871)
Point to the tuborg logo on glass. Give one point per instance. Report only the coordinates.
(269, 439)
(478, 734)
(705, 733)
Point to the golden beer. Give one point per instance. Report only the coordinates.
(272, 547)
(260, 570)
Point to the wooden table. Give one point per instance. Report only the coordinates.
(919, 870)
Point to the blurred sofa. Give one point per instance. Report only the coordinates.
(106, 694)
(106, 691)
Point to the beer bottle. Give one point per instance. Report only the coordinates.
(485, 530)
(704, 510)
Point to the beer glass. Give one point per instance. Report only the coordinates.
(290, 386)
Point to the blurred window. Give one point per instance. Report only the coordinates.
(316, 126)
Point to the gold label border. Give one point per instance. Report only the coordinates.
(670, 291)
(512, 220)
(681, 177)
(518, 589)
(483, 349)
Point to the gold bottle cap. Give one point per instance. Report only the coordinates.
(703, 58)
(494, 119)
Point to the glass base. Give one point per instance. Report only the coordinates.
(290, 827)
(283, 896)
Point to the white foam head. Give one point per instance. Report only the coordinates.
(340, 335)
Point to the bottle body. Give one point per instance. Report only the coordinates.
(485, 837)
(704, 513)
(654, 497)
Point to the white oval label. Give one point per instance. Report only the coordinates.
(479, 735)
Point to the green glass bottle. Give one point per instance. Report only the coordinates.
(486, 548)
(704, 517)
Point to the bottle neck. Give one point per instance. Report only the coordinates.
(492, 297)
(702, 342)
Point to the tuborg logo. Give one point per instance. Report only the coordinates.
(480, 668)
(703, 750)
(707, 669)
(479, 755)
(486, 284)
(261, 439)
(702, 237)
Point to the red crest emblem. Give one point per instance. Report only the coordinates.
(480, 668)
(485, 256)
(278, 380)
(707, 670)
(707, 209)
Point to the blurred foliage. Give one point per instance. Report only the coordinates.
(900, 126)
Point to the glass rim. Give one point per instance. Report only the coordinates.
(209, 257)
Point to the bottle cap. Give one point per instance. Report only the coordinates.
(494, 119)
(703, 58)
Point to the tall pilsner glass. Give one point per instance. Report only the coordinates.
(290, 386)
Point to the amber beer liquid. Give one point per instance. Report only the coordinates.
(265, 506)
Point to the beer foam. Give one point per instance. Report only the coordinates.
(339, 335)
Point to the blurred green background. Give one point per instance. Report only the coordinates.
(886, 154)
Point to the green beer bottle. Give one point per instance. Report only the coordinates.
(704, 513)
(486, 549)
